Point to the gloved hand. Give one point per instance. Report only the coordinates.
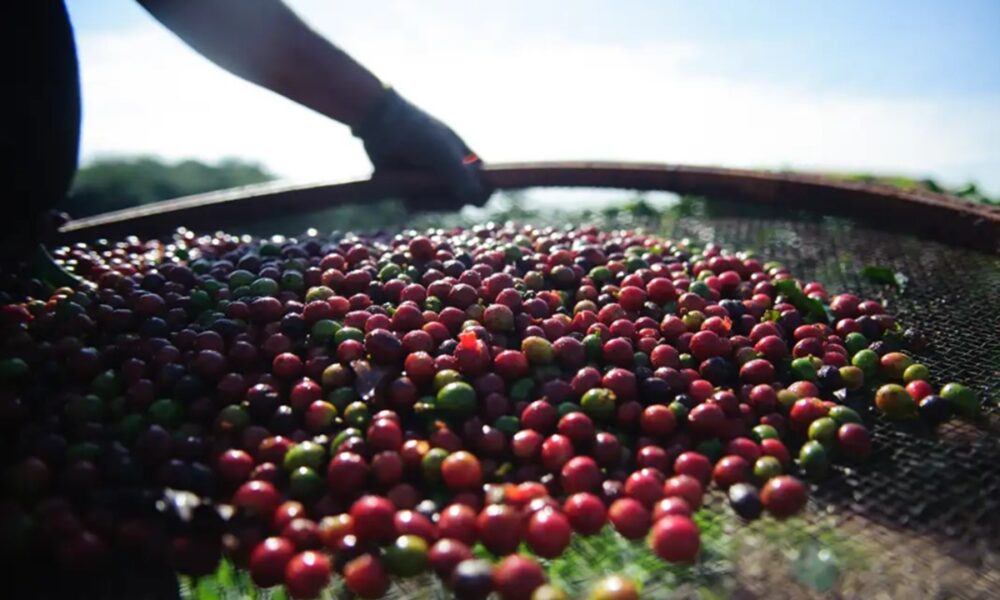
(399, 136)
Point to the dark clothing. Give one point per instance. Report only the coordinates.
(40, 133)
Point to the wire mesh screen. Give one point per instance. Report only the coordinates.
(922, 518)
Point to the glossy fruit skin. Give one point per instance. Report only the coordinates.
(629, 518)
(517, 577)
(268, 561)
(814, 460)
(823, 430)
(526, 444)
(259, 498)
(675, 538)
(548, 533)
(614, 587)
(744, 447)
(757, 371)
(777, 449)
(235, 465)
(916, 372)
(586, 513)
(803, 369)
(804, 412)
(462, 471)
(557, 450)
(499, 529)
(303, 533)
(365, 577)
(307, 574)
(686, 487)
(892, 400)
(538, 350)
(472, 580)
(346, 473)
(764, 432)
(674, 505)
(894, 364)
(580, 474)
(731, 470)
(411, 522)
(963, 400)
(854, 442)
(576, 426)
(852, 377)
(333, 528)
(458, 521)
(406, 556)
(783, 496)
(457, 398)
(766, 467)
(867, 361)
(694, 464)
(706, 419)
(549, 592)
(935, 409)
(645, 485)
(657, 420)
(598, 403)
(445, 555)
(540, 416)
(919, 389)
(844, 414)
(372, 516)
(745, 501)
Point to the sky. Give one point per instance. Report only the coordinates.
(898, 86)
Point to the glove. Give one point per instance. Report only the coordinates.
(399, 136)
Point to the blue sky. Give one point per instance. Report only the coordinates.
(909, 87)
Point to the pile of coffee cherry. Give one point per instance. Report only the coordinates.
(459, 402)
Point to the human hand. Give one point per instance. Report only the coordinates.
(399, 136)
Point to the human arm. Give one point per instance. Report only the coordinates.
(265, 42)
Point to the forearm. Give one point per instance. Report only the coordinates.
(263, 41)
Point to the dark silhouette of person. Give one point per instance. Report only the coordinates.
(262, 41)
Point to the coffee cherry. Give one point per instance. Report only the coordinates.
(548, 533)
(585, 512)
(783, 496)
(675, 538)
(445, 555)
(307, 574)
(630, 518)
(365, 577)
(499, 529)
(373, 518)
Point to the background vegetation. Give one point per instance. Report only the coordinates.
(115, 183)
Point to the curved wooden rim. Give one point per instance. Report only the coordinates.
(924, 213)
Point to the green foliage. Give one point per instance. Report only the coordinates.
(116, 183)
(884, 275)
(811, 307)
(969, 191)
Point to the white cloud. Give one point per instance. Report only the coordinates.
(533, 97)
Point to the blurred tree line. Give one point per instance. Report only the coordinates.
(115, 183)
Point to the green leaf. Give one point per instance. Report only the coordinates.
(885, 275)
(811, 308)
